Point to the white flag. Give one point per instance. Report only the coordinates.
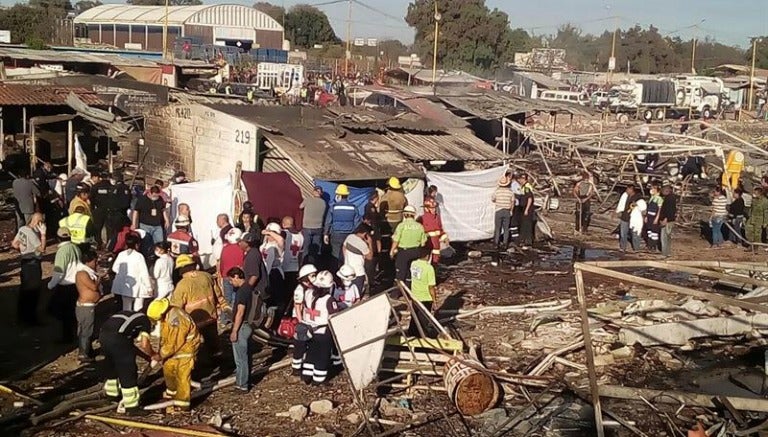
(81, 161)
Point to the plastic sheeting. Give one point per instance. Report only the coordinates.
(358, 196)
(467, 211)
(274, 195)
(206, 200)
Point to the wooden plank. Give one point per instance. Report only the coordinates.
(677, 396)
(684, 269)
(712, 297)
(428, 343)
(420, 356)
(591, 370)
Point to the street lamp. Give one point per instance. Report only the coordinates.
(434, 51)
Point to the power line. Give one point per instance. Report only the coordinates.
(378, 11)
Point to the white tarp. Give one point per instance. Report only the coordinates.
(360, 334)
(414, 192)
(467, 211)
(206, 200)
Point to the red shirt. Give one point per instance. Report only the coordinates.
(231, 256)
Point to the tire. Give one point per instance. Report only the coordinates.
(648, 115)
(660, 114)
(706, 112)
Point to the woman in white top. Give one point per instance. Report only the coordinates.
(132, 281)
(162, 272)
(272, 253)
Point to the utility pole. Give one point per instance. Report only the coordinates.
(752, 75)
(349, 40)
(693, 56)
(165, 32)
(612, 60)
(434, 50)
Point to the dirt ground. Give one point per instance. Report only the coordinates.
(32, 362)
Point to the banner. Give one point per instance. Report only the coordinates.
(467, 211)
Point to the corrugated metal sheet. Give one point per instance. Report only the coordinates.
(24, 95)
(275, 160)
(456, 145)
(491, 105)
(210, 15)
(74, 57)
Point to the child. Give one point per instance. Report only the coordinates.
(347, 294)
(423, 284)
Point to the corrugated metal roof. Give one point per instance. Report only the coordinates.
(64, 57)
(542, 79)
(441, 77)
(456, 145)
(322, 155)
(211, 15)
(22, 95)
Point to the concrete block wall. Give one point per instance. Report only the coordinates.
(169, 134)
(220, 141)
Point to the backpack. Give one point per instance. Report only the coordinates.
(257, 312)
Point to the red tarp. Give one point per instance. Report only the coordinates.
(273, 195)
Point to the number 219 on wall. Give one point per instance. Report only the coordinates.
(243, 136)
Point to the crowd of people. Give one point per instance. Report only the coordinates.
(263, 274)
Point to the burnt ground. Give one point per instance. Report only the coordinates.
(32, 361)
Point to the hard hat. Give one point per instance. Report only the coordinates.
(346, 272)
(394, 183)
(63, 177)
(184, 260)
(324, 279)
(62, 232)
(307, 270)
(234, 235)
(157, 308)
(274, 227)
(342, 190)
(410, 209)
(182, 221)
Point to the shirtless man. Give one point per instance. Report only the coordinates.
(88, 295)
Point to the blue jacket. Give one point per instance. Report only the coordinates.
(341, 218)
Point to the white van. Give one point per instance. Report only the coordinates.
(565, 96)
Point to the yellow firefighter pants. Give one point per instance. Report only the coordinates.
(177, 372)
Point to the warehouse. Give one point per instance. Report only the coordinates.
(141, 27)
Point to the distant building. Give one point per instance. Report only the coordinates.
(141, 27)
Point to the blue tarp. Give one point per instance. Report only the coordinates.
(358, 196)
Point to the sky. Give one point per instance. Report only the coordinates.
(728, 21)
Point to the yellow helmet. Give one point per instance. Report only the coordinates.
(394, 183)
(157, 308)
(342, 190)
(184, 260)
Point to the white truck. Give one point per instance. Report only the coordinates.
(280, 78)
(701, 95)
(658, 99)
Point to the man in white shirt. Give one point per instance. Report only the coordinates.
(294, 255)
(357, 248)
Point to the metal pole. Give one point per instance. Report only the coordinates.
(349, 40)
(70, 146)
(165, 32)
(752, 76)
(613, 50)
(693, 57)
(434, 50)
(592, 372)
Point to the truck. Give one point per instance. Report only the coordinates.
(280, 78)
(657, 99)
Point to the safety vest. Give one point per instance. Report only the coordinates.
(76, 223)
(343, 215)
(250, 95)
(316, 311)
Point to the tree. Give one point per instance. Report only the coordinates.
(274, 11)
(27, 23)
(471, 37)
(84, 5)
(306, 26)
(761, 53)
(162, 2)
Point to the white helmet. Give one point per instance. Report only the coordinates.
(234, 235)
(307, 270)
(324, 279)
(346, 272)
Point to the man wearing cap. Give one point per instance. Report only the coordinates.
(182, 241)
(504, 202)
(81, 198)
(341, 221)
(409, 236)
(64, 297)
(179, 343)
(253, 263)
(117, 208)
(123, 336)
(293, 255)
(231, 256)
(433, 226)
(101, 200)
(80, 226)
(197, 294)
(314, 215)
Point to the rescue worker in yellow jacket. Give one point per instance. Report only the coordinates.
(80, 225)
(82, 198)
(199, 296)
(179, 342)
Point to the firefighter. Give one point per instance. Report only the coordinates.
(82, 198)
(124, 336)
(182, 241)
(199, 296)
(433, 226)
(391, 206)
(80, 226)
(313, 343)
(340, 221)
(101, 193)
(179, 342)
(407, 240)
